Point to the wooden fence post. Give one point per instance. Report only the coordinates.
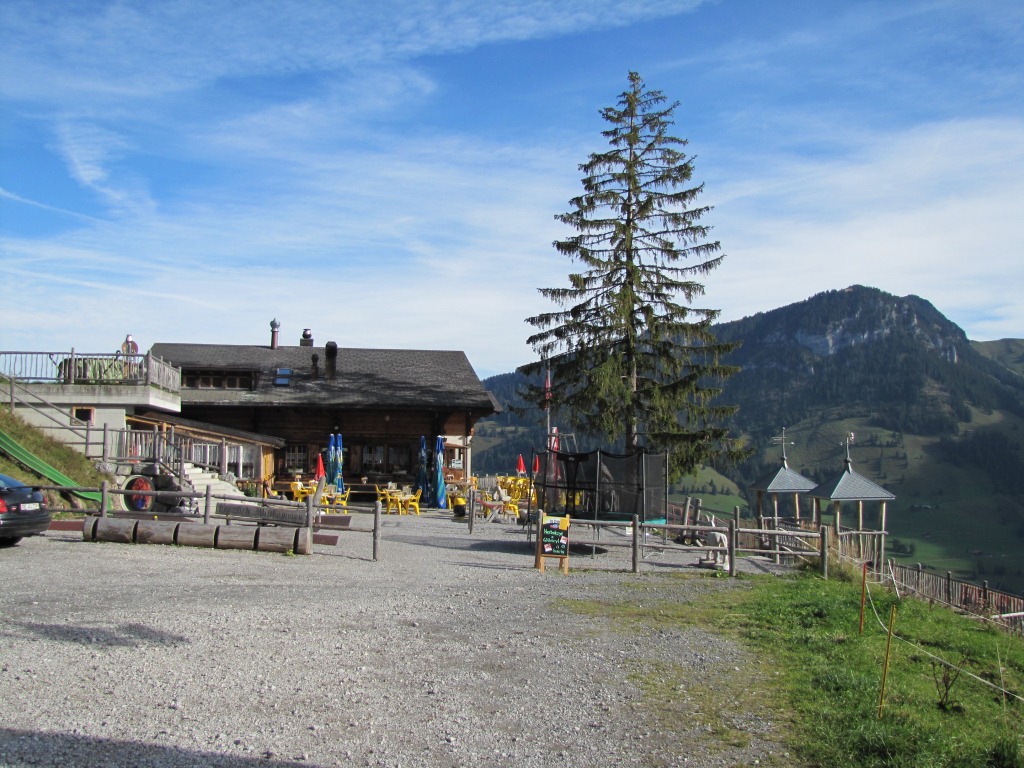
(823, 550)
(104, 497)
(208, 510)
(949, 587)
(732, 547)
(376, 530)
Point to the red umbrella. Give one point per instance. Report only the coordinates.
(536, 463)
(521, 465)
(319, 467)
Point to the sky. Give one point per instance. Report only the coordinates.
(388, 174)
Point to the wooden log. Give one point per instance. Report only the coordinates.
(156, 532)
(275, 539)
(115, 530)
(89, 528)
(303, 541)
(236, 537)
(196, 535)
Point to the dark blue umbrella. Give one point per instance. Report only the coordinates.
(442, 497)
(424, 471)
(330, 460)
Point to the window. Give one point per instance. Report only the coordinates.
(218, 379)
(84, 415)
(295, 458)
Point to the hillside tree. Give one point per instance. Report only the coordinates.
(630, 355)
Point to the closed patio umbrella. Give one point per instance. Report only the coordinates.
(521, 465)
(442, 496)
(339, 464)
(319, 467)
(330, 459)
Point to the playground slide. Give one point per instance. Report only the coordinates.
(11, 447)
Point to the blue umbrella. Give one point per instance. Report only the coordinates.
(421, 481)
(339, 464)
(330, 460)
(442, 500)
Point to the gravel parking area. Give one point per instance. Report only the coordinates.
(452, 650)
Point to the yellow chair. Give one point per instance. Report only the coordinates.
(340, 502)
(394, 500)
(413, 502)
(299, 491)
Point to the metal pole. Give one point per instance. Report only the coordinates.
(376, 530)
(636, 544)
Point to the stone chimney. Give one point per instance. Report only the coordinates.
(331, 366)
(274, 328)
(307, 338)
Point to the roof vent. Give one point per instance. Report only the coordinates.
(307, 338)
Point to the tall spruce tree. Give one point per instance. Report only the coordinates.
(630, 357)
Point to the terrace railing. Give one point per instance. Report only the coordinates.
(76, 368)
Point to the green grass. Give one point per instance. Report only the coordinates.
(821, 679)
(61, 457)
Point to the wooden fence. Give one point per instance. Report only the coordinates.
(209, 507)
(1004, 608)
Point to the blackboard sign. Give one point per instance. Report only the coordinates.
(554, 537)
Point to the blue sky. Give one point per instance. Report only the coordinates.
(387, 174)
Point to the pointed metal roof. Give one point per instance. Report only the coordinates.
(850, 486)
(783, 480)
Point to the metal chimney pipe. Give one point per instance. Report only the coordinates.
(274, 328)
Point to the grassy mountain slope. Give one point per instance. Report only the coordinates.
(1007, 352)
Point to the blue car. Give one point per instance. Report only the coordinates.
(22, 511)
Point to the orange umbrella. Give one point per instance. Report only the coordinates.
(319, 467)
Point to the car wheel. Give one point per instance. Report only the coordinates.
(9, 542)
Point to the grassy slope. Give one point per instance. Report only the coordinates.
(1009, 352)
(56, 454)
(821, 678)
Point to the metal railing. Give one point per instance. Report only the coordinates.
(100, 368)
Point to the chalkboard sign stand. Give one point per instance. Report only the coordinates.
(553, 541)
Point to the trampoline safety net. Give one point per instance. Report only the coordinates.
(602, 486)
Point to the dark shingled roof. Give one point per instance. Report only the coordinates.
(365, 378)
(849, 486)
(783, 480)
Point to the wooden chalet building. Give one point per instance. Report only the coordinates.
(381, 401)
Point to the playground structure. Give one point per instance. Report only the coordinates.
(601, 486)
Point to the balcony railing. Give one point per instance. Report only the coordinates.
(77, 368)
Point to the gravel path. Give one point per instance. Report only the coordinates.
(450, 651)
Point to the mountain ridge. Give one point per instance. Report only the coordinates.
(937, 418)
